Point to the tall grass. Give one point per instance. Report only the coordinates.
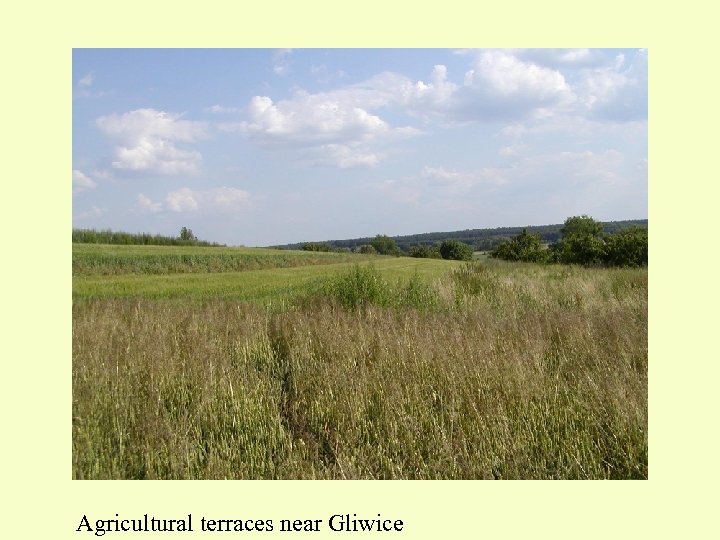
(497, 371)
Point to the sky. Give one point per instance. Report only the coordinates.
(262, 147)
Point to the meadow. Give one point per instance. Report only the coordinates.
(200, 363)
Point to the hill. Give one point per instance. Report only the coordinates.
(479, 239)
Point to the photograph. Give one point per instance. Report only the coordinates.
(359, 264)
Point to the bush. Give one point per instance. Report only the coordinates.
(581, 242)
(627, 248)
(384, 245)
(455, 250)
(524, 247)
(367, 249)
(317, 246)
(359, 286)
(424, 252)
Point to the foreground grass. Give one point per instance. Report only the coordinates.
(491, 371)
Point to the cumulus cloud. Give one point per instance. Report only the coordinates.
(498, 86)
(335, 128)
(619, 92)
(310, 118)
(146, 205)
(81, 182)
(222, 199)
(561, 58)
(147, 141)
(349, 126)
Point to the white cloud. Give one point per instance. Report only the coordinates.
(565, 58)
(338, 126)
(146, 205)
(443, 184)
(559, 172)
(182, 200)
(512, 150)
(147, 140)
(81, 181)
(347, 156)
(87, 80)
(94, 212)
(219, 109)
(311, 118)
(617, 93)
(498, 86)
(281, 64)
(222, 199)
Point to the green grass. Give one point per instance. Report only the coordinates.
(252, 285)
(397, 368)
(105, 259)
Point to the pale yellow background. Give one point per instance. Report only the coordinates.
(679, 500)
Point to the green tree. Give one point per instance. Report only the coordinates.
(317, 246)
(523, 247)
(581, 225)
(627, 248)
(384, 245)
(187, 235)
(455, 250)
(367, 249)
(581, 242)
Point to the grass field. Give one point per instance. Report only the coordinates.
(309, 365)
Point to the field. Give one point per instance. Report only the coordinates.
(211, 363)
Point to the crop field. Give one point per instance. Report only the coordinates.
(212, 363)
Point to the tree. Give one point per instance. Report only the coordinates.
(581, 242)
(523, 247)
(384, 245)
(366, 249)
(627, 248)
(424, 252)
(317, 246)
(187, 235)
(455, 250)
(581, 225)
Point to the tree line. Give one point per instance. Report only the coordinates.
(477, 239)
(582, 241)
(92, 236)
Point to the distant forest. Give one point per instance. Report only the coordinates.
(478, 239)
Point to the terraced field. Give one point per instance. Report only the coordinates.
(209, 363)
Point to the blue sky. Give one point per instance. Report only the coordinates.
(259, 147)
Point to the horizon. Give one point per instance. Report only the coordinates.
(263, 147)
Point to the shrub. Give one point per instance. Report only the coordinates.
(367, 249)
(524, 247)
(424, 252)
(455, 250)
(317, 246)
(627, 248)
(384, 245)
(359, 286)
(581, 242)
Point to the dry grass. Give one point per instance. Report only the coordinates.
(497, 371)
